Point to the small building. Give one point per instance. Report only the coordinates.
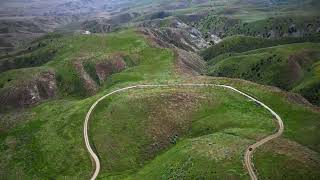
(86, 32)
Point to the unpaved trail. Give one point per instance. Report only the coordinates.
(248, 154)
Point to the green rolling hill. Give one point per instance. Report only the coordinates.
(268, 49)
(292, 67)
(161, 132)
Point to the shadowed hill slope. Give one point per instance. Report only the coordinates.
(292, 67)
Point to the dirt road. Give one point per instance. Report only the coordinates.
(248, 153)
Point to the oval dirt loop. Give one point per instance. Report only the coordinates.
(248, 154)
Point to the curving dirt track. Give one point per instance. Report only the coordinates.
(248, 154)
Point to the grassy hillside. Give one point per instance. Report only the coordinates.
(238, 44)
(92, 50)
(54, 128)
(171, 133)
(286, 153)
(159, 133)
(270, 26)
(184, 120)
(286, 66)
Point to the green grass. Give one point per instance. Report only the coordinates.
(286, 66)
(125, 121)
(214, 156)
(272, 26)
(16, 77)
(36, 147)
(146, 134)
(238, 44)
(119, 133)
(222, 120)
(49, 145)
(310, 85)
(161, 133)
(155, 64)
(275, 164)
(301, 124)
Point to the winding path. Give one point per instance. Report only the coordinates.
(248, 154)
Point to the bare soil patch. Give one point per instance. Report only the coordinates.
(170, 119)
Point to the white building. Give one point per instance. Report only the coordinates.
(86, 32)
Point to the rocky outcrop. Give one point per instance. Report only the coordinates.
(30, 92)
(154, 39)
(88, 83)
(178, 33)
(188, 40)
(92, 74)
(188, 63)
(105, 69)
(97, 26)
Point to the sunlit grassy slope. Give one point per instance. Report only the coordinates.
(156, 133)
(39, 146)
(139, 125)
(154, 64)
